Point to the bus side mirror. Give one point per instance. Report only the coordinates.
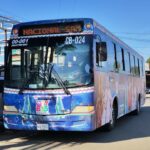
(101, 52)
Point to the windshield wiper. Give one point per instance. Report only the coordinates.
(26, 82)
(57, 78)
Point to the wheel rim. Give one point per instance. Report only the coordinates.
(113, 116)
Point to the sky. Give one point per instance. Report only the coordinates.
(127, 19)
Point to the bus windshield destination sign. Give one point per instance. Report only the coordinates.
(53, 29)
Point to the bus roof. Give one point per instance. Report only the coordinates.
(87, 20)
(52, 21)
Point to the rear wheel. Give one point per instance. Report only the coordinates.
(138, 108)
(112, 122)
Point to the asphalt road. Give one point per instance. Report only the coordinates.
(131, 133)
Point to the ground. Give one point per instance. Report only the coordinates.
(131, 133)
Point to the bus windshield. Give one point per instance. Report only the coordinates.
(35, 65)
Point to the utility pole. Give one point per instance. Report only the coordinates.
(5, 35)
(6, 24)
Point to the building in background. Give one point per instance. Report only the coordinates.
(147, 74)
(6, 24)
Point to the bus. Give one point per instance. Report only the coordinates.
(69, 75)
(147, 73)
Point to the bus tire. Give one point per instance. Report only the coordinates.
(112, 122)
(138, 108)
(2, 129)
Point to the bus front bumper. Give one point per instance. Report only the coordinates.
(69, 122)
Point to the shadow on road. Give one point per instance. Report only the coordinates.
(128, 127)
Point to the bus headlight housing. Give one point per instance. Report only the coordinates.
(10, 108)
(83, 109)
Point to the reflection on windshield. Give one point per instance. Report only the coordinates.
(34, 66)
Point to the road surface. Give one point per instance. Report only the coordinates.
(131, 133)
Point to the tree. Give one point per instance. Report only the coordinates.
(148, 61)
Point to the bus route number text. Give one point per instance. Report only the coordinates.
(20, 42)
(75, 40)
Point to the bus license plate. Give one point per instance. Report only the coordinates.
(42, 126)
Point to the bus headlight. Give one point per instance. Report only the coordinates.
(10, 108)
(83, 109)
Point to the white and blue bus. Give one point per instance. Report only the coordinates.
(69, 75)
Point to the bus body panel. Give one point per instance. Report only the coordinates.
(56, 110)
(110, 83)
(70, 122)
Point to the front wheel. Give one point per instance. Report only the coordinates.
(2, 129)
(112, 122)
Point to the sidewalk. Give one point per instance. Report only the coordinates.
(147, 95)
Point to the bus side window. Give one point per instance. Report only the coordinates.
(127, 62)
(101, 53)
(115, 57)
(119, 58)
(133, 65)
(123, 62)
(138, 67)
(141, 68)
